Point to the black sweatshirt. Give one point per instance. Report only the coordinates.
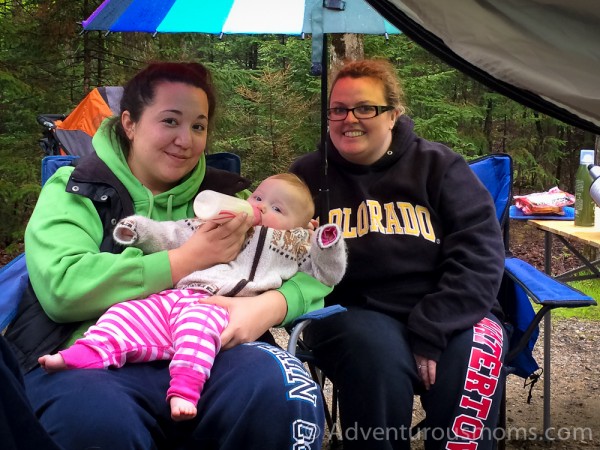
(424, 242)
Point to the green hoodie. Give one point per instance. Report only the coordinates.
(74, 281)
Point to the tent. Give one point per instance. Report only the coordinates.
(544, 54)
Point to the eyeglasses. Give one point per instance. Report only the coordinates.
(360, 112)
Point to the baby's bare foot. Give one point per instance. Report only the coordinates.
(182, 409)
(52, 363)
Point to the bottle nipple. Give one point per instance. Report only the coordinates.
(257, 216)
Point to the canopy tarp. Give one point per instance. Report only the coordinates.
(544, 54)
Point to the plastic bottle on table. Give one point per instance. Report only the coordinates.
(216, 207)
(584, 205)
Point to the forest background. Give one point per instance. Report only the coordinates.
(269, 103)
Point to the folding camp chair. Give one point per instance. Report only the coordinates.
(522, 283)
(72, 134)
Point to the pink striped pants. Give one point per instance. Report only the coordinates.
(172, 324)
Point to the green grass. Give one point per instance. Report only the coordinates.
(588, 287)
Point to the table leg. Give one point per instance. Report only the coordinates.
(547, 333)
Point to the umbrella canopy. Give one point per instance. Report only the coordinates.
(290, 17)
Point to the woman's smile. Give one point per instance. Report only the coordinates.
(177, 156)
(354, 133)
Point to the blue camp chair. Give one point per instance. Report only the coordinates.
(522, 283)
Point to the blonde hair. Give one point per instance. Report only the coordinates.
(297, 182)
(380, 69)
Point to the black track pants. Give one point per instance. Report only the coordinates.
(367, 356)
(19, 427)
(258, 397)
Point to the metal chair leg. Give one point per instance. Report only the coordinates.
(501, 443)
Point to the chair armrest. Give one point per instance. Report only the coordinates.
(13, 282)
(302, 322)
(318, 314)
(543, 289)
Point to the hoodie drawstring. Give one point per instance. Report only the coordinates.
(150, 203)
(170, 207)
(170, 199)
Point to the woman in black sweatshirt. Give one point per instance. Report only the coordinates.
(425, 263)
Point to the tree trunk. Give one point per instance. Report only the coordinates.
(488, 125)
(87, 58)
(252, 60)
(344, 47)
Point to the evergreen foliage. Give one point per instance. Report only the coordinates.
(269, 104)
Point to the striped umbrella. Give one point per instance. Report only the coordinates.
(290, 17)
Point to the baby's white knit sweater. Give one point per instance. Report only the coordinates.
(280, 254)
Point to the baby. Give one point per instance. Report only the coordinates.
(174, 324)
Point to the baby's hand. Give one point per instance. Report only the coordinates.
(328, 235)
(313, 224)
(125, 232)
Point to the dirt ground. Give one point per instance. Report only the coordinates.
(575, 367)
(575, 392)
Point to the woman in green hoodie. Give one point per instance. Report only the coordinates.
(150, 161)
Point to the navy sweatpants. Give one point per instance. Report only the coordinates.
(368, 357)
(257, 397)
(19, 427)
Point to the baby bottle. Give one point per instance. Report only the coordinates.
(215, 207)
(584, 204)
